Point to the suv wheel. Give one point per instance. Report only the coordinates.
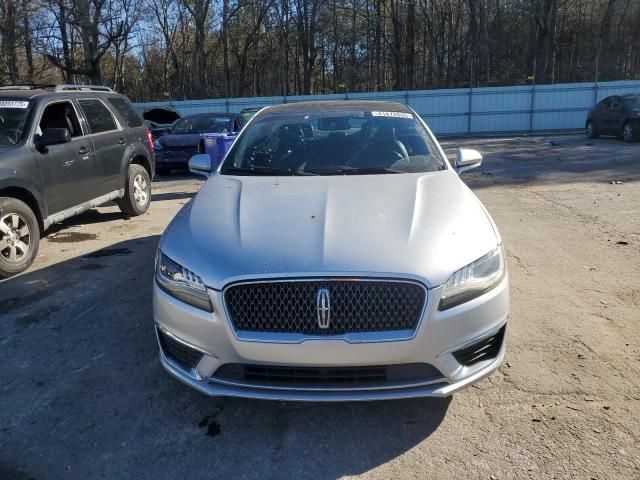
(628, 132)
(137, 192)
(591, 130)
(19, 236)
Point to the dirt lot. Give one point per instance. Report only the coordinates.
(82, 394)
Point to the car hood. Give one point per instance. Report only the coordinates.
(180, 140)
(424, 226)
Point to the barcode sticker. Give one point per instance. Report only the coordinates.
(392, 114)
(13, 104)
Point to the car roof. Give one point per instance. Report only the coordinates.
(339, 105)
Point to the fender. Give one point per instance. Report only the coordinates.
(14, 182)
(135, 150)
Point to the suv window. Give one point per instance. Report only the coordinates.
(60, 115)
(124, 108)
(98, 115)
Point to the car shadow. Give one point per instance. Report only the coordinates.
(547, 160)
(89, 217)
(83, 392)
(159, 197)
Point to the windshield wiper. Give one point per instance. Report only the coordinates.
(346, 170)
(264, 170)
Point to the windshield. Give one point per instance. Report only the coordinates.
(333, 141)
(13, 119)
(203, 124)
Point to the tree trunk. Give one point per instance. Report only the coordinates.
(28, 42)
(8, 28)
(378, 46)
(225, 48)
(411, 44)
(602, 52)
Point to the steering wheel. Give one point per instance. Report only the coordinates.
(400, 154)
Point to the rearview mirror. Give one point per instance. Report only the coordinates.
(200, 164)
(53, 136)
(466, 159)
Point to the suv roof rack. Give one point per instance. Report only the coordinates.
(87, 88)
(58, 88)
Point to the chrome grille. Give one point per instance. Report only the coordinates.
(356, 306)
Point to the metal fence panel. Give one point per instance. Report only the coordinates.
(460, 111)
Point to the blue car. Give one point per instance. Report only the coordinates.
(211, 133)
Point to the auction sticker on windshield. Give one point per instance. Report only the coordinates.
(391, 114)
(13, 104)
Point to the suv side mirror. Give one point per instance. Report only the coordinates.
(200, 164)
(53, 136)
(466, 159)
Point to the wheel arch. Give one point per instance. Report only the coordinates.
(26, 195)
(144, 161)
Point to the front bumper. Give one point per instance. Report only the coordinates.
(438, 337)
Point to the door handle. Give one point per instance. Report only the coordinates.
(83, 150)
(122, 141)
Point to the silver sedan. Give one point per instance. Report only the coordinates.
(334, 255)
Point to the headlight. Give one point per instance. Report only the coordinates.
(157, 145)
(181, 283)
(473, 280)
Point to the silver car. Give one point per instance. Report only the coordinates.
(334, 255)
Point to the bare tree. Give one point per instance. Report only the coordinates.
(9, 32)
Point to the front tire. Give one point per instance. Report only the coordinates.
(629, 132)
(591, 130)
(137, 192)
(19, 236)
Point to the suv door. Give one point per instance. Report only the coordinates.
(109, 141)
(68, 170)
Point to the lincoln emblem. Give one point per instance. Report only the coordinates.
(323, 308)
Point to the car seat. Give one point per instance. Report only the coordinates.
(383, 149)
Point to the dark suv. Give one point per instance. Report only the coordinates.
(65, 149)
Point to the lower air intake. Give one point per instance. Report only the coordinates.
(327, 377)
(178, 352)
(484, 349)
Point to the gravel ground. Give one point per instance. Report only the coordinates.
(83, 396)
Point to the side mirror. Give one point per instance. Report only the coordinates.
(200, 164)
(53, 136)
(466, 159)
